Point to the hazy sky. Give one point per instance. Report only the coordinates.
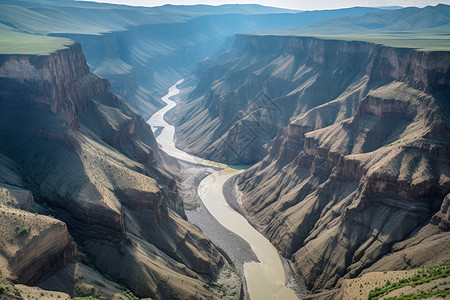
(295, 4)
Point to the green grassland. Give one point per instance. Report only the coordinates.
(407, 40)
(20, 43)
(414, 40)
(424, 276)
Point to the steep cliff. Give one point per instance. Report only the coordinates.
(34, 245)
(249, 92)
(90, 160)
(354, 140)
(349, 191)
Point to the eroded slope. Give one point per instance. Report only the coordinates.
(354, 136)
(90, 160)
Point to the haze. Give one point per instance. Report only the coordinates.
(293, 4)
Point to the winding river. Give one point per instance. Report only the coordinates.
(266, 279)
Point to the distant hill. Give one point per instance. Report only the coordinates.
(48, 16)
(406, 19)
(425, 28)
(228, 9)
(144, 50)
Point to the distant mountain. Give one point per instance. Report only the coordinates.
(390, 7)
(47, 16)
(230, 9)
(143, 50)
(420, 28)
(436, 18)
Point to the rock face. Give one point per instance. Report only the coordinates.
(34, 245)
(248, 93)
(90, 160)
(354, 140)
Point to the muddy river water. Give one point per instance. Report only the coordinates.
(265, 279)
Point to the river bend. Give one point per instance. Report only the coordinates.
(266, 279)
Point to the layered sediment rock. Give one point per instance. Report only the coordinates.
(46, 246)
(355, 148)
(91, 160)
(32, 245)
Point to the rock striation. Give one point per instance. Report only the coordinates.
(35, 245)
(353, 142)
(89, 159)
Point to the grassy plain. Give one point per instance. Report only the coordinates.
(21, 43)
(415, 40)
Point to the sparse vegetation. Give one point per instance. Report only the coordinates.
(423, 295)
(127, 293)
(220, 288)
(85, 298)
(107, 277)
(423, 276)
(225, 287)
(228, 270)
(22, 230)
(191, 205)
(130, 295)
(432, 41)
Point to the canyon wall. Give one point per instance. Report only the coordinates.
(90, 160)
(352, 143)
(145, 59)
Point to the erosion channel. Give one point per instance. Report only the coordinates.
(266, 278)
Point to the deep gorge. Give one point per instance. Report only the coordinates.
(346, 142)
(346, 131)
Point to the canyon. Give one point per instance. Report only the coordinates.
(145, 50)
(350, 142)
(344, 134)
(74, 150)
(265, 277)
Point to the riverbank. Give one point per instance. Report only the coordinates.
(235, 249)
(232, 196)
(265, 279)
